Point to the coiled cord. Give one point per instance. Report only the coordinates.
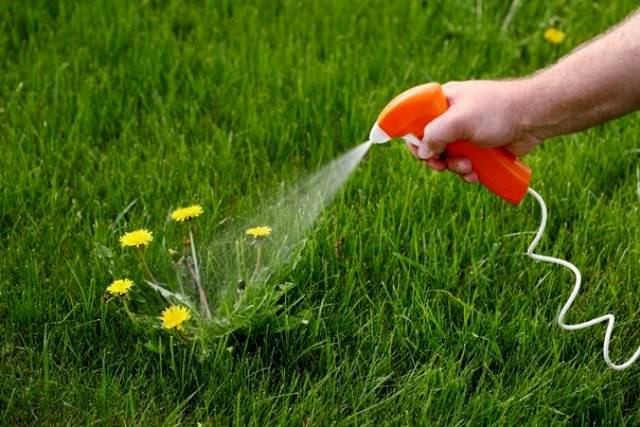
(608, 318)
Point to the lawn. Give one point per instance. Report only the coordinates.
(423, 310)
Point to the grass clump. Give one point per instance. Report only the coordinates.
(183, 306)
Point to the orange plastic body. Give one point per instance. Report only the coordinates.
(500, 171)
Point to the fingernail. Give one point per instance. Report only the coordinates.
(424, 152)
(463, 166)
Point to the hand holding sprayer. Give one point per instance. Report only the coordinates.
(406, 117)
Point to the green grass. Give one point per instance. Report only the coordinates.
(424, 311)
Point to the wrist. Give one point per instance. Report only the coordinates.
(524, 97)
(539, 113)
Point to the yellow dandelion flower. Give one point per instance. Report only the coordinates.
(120, 287)
(137, 238)
(174, 316)
(185, 214)
(261, 231)
(554, 35)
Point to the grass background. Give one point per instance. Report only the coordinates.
(424, 311)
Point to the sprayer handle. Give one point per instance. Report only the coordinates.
(497, 169)
(408, 113)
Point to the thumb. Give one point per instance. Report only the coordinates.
(443, 130)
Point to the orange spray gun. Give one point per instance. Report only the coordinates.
(501, 172)
(407, 115)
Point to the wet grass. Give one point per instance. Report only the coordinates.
(423, 310)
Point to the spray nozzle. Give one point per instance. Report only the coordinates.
(377, 135)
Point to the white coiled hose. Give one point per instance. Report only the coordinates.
(608, 318)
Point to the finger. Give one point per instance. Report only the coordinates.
(444, 129)
(433, 163)
(451, 90)
(413, 149)
(437, 164)
(424, 152)
(459, 165)
(470, 178)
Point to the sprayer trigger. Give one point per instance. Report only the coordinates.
(423, 152)
(412, 139)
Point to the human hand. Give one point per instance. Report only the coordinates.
(486, 113)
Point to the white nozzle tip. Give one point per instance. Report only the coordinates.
(377, 135)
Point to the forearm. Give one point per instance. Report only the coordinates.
(597, 82)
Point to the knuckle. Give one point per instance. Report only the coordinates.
(451, 87)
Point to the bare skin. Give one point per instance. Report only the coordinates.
(597, 82)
